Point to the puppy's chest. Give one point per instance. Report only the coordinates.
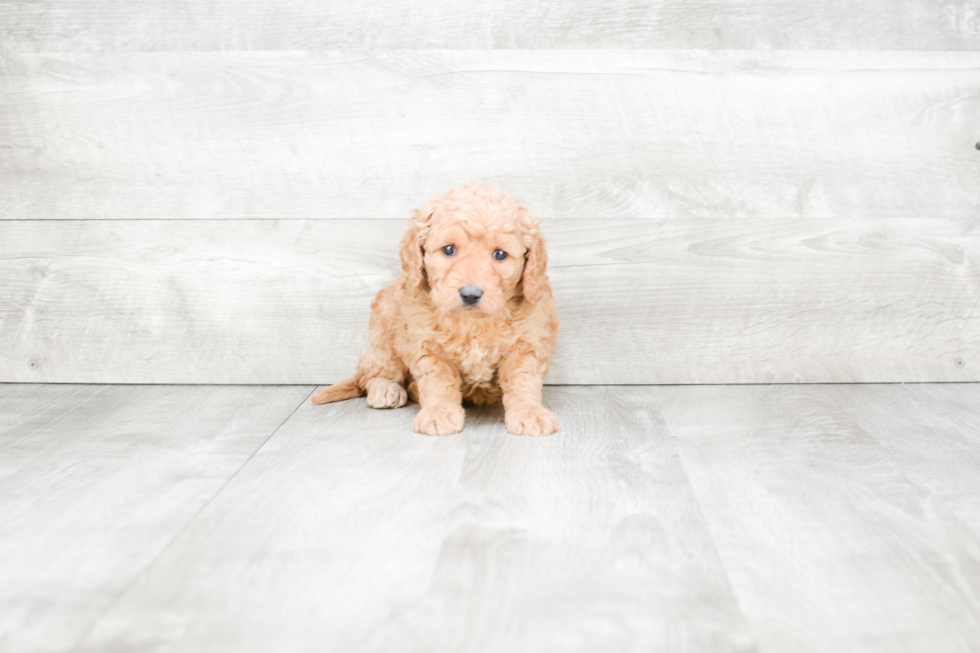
(476, 358)
(479, 366)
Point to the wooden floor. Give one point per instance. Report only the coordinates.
(687, 518)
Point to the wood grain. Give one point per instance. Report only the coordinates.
(96, 481)
(77, 25)
(349, 532)
(333, 528)
(742, 518)
(686, 301)
(932, 432)
(576, 134)
(828, 543)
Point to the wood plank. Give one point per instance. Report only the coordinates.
(685, 301)
(96, 481)
(382, 539)
(826, 542)
(932, 432)
(77, 25)
(576, 134)
(333, 526)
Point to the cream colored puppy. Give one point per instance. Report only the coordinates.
(471, 317)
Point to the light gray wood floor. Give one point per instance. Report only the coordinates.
(687, 518)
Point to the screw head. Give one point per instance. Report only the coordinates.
(32, 364)
(960, 362)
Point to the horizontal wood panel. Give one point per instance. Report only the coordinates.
(588, 134)
(642, 301)
(80, 25)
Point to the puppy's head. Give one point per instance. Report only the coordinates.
(473, 249)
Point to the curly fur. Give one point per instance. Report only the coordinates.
(428, 345)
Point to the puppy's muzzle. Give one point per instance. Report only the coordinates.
(470, 295)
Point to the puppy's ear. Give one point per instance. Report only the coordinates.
(411, 252)
(535, 279)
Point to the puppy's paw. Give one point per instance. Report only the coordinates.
(439, 419)
(530, 419)
(385, 393)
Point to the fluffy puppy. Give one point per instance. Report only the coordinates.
(471, 317)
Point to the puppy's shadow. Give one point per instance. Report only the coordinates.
(484, 415)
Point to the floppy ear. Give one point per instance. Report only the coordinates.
(411, 252)
(535, 269)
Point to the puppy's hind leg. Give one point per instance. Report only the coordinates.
(381, 375)
(380, 371)
(385, 393)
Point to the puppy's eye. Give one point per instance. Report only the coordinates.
(449, 250)
(500, 254)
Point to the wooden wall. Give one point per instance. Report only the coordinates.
(211, 192)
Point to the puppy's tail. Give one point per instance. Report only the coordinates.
(346, 389)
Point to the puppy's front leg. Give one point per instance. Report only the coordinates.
(521, 376)
(439, 392)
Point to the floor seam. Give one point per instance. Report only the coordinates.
(713, 538)
(142, 572)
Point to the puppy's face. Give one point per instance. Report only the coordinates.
(474, 248)
(476, 269)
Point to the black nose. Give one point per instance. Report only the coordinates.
(470, 294)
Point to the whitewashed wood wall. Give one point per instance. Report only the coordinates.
(764, 191)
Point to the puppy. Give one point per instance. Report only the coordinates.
(470, 318)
